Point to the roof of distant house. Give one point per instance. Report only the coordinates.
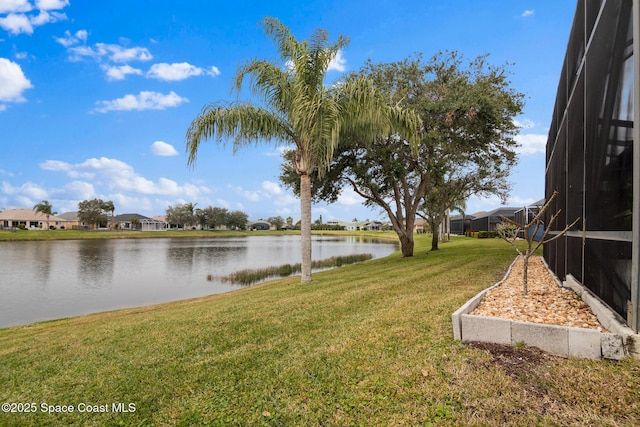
(69, 216)
(27, 215)
(497, 212)
(129, 216)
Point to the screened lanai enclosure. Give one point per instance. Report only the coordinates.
(590, 157)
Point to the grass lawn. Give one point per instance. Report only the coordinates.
(367, 344)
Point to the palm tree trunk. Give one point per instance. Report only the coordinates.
(305, 226)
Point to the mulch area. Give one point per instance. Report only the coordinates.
(546, 301)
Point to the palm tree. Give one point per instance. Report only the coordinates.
(299, 110)
(190, 215)
(45, 208)
(108, 206)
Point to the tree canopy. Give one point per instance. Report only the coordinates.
(92, 212)
(466, 143)
(300, 110)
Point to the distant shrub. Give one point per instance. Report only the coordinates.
(487, 234)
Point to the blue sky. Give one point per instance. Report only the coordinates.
(96, 96)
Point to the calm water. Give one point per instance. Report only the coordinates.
(52, 279)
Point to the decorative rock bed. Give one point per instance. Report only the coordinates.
(561, 319)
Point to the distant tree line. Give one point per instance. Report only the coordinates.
(100, 213)
(187, 215)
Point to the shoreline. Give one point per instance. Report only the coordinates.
(44, 235)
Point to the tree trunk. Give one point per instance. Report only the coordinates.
(406, 244)
(525, 267)
(305, 226)
(435, 238)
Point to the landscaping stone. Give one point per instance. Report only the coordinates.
(550, 338)
(562, 320)
(612, 346)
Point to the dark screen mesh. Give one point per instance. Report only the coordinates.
(590, 152)
(607, 272)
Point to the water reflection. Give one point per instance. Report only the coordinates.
(42, 259)
(192, 255)
(52, 279)
(95, 263)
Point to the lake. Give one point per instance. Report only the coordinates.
(43, 280)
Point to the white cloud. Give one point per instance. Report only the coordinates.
(161, 148)
(119, 53)
(289, 65)
(12, 82)
(90, 168)
(123, 54)
(45, 17)
(117, 175)
(178, 71)
(18, 20)
(223, 203)
(531, 143)
(348, 197)
(108, 179)
(277, 194)
(112, 52)
(51, 4)
(28, 189)
(271, 188)
(252, 196)
(9, 6)
(71, 39)
(278, 151)
(16, 23)
(145, 100)
(125, 203)
(528, 13)
(76, 190)
(120, 72)
(524, 124)
(487, 204)
(338, 63)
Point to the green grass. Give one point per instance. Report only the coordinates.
(367, 344)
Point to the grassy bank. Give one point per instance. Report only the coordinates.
(367, 344)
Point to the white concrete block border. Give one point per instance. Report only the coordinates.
(566, 341)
